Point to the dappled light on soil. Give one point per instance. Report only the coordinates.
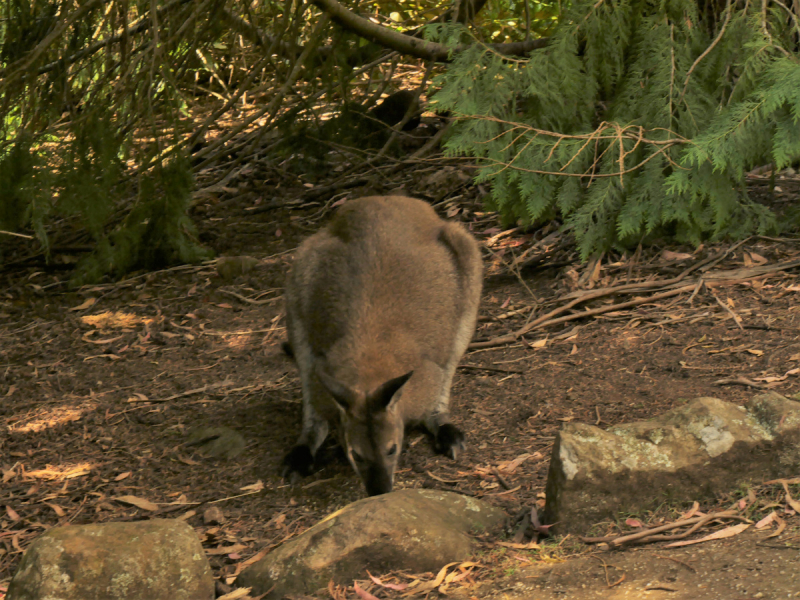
(46, 418)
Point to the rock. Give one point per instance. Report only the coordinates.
(158, 560)
(217, 442)
(417, 530)
(213, 516)
(690, 453)
(230, 267)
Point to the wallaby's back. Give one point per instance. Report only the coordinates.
(383, 285)
(386, 289)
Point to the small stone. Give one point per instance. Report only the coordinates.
(213, 516)
(158, 560)
(416, 530)
(217, 442)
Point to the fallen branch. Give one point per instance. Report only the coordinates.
(708, 279)
(740, 381)
(651, 535)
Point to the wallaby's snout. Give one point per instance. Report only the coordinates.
(381, 305)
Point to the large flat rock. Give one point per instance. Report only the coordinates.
(153, 560)
(690, 453)
(418, 530)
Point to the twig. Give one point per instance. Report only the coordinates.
(500, 478)
(728, 12)
(250, 300)
(740, 381)
(21, 235)
(492, 369)
(695, 522)
(736, 318)
(680, 562)
(200, 390)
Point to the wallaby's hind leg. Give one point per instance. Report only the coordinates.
(447, 438)
(300, 459)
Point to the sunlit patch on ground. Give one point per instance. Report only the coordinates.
(60, 472)
(115, 320)
(43, 419)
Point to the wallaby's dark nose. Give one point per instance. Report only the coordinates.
(377, 481)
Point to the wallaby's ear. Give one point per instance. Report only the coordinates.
(344, 396)
(382, 396)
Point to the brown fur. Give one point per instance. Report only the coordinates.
(381, 305)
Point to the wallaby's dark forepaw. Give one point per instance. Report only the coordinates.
(449, 441)
(298, 463)
(287, 349)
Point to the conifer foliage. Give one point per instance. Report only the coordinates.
(639, 117)
(92, 107)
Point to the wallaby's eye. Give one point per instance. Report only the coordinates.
(357, 457)
(392, 451)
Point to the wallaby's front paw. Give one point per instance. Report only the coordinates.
(297, 464)
(449, 441)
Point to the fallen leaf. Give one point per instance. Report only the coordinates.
(122, 476)
(88, 335)
(633, 523)
(512, 465)
(86, 304)
(766, 520)
(11, 390)
(235, 594)
(755, 352)
(528, 546)
(669, 255)
(757, 258)
(253, 487)
(779, 529)
(574, 350)
(224, 305)
(429, 586)
(12, 514)
(137, 502)
(363, 594)
(253, 559)
(9, 474)
(57, 509)
(791, 501)
(277, 521)
(539, 343)
(717, 535)
(225, 549)
(398, 587)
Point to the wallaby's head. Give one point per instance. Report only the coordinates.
(372, 427)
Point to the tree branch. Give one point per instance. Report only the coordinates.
(406, 44)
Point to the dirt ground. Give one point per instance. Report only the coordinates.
(102, 386)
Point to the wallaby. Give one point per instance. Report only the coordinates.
(381, 305)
